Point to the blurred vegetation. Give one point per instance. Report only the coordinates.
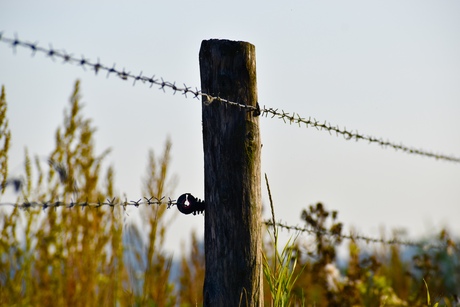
(93, 257)
(382, 276)
(5, 137)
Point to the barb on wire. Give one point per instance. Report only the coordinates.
(295, 118)
(208, 99)
(422, 245)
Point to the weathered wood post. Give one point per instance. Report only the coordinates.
(231, 141)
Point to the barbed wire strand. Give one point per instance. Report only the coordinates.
(350, 134)
(352, 236)
(147, 201)
(110, 202)
(287, 117)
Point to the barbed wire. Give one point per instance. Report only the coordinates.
(98, 66)
(287, 117)
(109, 202)
(422, 245)
(350, 134)
(186, 203)
(169, 202)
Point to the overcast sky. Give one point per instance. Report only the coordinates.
(389, 69)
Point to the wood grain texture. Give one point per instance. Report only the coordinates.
(231, 143)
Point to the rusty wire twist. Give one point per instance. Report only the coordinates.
(287, 117)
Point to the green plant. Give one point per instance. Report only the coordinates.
(281, 274)
(428, 299)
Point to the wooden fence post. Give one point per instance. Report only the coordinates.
(231, 142)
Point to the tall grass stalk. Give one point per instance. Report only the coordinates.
(280, 272)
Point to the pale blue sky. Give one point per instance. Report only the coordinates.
(390, 69)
